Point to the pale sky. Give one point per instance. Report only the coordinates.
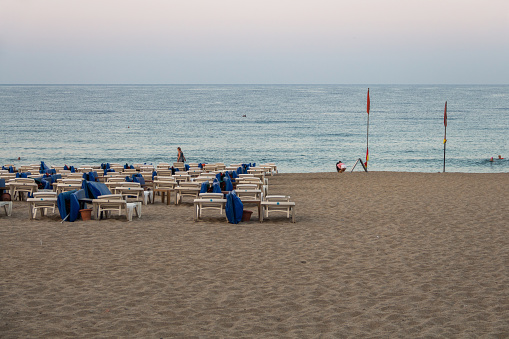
(254, 42)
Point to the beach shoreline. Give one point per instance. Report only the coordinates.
(377, 254)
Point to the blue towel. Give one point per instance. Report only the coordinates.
(67, 206)
(187, 167)
(91, 176)
(228, 183)
(216, 188)
(204, 187)
(234, 208)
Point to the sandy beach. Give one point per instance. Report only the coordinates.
(379, 255)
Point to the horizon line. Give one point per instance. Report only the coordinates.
(253, 84)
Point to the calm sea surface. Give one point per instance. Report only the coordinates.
(303, 128)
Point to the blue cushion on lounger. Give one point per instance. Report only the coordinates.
(23, 175)
(53, 178)
(139, 178)
(80, 194)
(44, 166)
(46, 183)
(95, 189)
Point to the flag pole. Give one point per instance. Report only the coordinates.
(445, 130)
(367, 131)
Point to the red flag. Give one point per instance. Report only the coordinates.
(369, 104)
(445, 114)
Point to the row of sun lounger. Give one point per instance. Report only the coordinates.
(126, 197)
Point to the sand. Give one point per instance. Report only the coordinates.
(407, 255)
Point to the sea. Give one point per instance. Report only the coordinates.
(301, 128)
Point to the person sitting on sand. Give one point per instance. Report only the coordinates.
(340, 167)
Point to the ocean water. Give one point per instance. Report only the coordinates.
(303, 128)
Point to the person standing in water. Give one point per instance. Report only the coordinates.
(180, 155)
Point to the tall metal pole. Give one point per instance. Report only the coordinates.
(367, 143)
(445, 130)
(445, 141)
(368, 106)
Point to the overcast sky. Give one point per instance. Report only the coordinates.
(258, 41)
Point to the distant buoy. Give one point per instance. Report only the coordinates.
(127, 126)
